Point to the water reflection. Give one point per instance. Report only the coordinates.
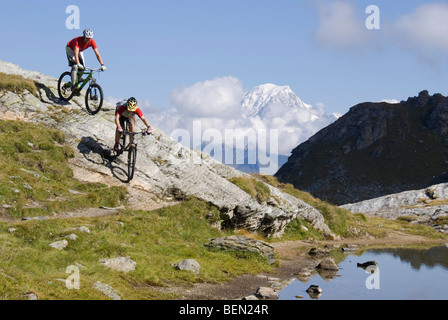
(377, 274)
(436, 256)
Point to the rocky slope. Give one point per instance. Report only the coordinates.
(165, 169)
(374, 150)
(422, 206)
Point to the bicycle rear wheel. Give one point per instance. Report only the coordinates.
(65, 86)
(132, 158)
(94, 99)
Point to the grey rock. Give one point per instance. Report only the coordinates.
(31, 296)
(250, 297)
(267, 293)
(59, 245)
(328, 264)
(121, 264)
(189, 265)
(72, 237)
(408, 203)
(243, 244)
(314, 291)
(107, 290)
(350, 248)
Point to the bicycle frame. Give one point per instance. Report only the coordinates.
(89, 72)
(132, 134)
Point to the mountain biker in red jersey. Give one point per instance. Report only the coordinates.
(75, 54)
(128, 110)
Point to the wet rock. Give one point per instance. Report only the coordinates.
(327, 264)
(319, 252)
(304, 274)
(367, 264)
(349, 248)
(267, 293)
(314, 291)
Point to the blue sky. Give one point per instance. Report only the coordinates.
(154, 47)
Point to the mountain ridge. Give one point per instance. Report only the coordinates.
(374, 150)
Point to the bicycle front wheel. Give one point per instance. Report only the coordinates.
(132, 158)
(94, 99)
(65, 86)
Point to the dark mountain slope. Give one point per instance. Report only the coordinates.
(374, 150)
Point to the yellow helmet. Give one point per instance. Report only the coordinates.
(132, 104)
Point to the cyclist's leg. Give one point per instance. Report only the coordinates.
(118, 134)
(132, 127)
(72, 63)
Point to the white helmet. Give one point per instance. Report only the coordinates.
(88, 33)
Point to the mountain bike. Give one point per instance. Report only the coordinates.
(94, 94)
(129, 145)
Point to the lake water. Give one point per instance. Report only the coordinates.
(402, 274)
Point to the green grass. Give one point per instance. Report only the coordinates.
(36, 179)
(155, 240)
(17, 84)
(254, 187)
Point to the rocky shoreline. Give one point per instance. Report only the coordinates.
(297, 260)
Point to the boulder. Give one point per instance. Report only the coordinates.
(189, 265)
(267, 293)
(327, 264)
(242, 244)
(59, 245)
(119, 264)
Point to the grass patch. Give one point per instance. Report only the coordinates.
(36, 179)
(16, 84)
(155, 240)
(254, 187)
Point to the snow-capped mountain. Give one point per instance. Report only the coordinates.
(275, 107)
(260, 99)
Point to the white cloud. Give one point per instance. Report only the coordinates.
(219, 97)
(425, 30)
(422, 32)
(341, 25)
(217, 105)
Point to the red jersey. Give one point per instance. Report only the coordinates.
(123, 108)
(79, 43)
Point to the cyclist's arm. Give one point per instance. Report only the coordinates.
(117, 119)
(98, 56)
(145, 121)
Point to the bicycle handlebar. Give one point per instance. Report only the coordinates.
(144, 133)
(90, 69)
